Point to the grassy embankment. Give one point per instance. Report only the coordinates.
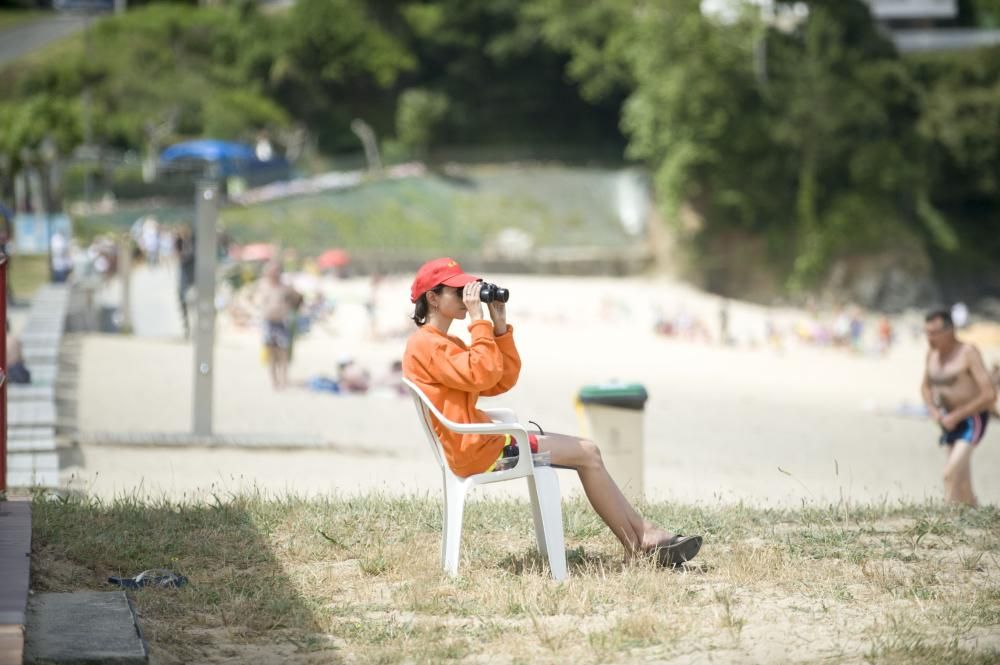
(296, 581)
(27, 273)
(549, 206)
(11, 18)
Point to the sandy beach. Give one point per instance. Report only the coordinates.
(744, 423)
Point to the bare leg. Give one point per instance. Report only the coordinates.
(965, 487)
(634, 532)
(280, 360)
(958, 474)
(184, 315)
(272, 365)
(945, 476)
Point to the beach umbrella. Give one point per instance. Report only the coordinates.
(258, 251)
(333, 258)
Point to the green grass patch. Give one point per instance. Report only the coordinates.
(11, 18)
(474, 210)
(562, 207)
(27, 274)
(60, 50)
(284, 579)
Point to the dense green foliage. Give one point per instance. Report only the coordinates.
(418, 115)
(816, 135)
(820, 136)
(192, 70)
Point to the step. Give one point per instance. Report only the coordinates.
(29, 433)
(33, 357)
(15, 562)
(39, 445)
(44, 374)
(32, 468)
(31, 414)
(28, 392)
(83, 627)
(34, 335)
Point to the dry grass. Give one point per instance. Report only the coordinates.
(357, 580)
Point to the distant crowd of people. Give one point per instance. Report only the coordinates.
(850, 328)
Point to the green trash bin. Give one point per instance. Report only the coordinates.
(612, 415)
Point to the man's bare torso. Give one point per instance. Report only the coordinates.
(273, 300)
(951, 381)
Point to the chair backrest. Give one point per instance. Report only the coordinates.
(425, 410)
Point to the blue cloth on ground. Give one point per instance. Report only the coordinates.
(323, 384)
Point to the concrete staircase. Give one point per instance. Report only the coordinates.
(32, 409)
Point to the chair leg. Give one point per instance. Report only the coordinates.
(451, 536)
(536, 514)
(549, 503)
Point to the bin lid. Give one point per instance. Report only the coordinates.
(621, 395)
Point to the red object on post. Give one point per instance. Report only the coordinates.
(3, 372)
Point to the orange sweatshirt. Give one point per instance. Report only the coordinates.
(453, 377)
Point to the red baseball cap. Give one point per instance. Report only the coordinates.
(439, 271)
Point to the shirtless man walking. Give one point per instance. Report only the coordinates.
(959, 396)
(275, 301)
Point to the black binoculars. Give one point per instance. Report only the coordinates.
(490, 292)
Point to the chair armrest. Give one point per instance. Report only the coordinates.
(486, 428)
(525, 463)
(501, 415)
(512, 427)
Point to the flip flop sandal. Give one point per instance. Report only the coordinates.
(677, 550)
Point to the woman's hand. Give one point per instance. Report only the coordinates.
(498, 312)
(470, 296)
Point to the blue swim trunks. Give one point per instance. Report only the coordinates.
(276, 334)
(970, 430)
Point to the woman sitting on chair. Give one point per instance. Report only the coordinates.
(453, 377)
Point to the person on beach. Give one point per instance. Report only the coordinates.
(17, 371)
(275, 301)
(959, 395)
(454, 375)
(184, 248)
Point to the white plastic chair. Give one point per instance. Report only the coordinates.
(543, 484)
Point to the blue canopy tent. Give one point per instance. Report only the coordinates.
(230, 158)
(224, 159)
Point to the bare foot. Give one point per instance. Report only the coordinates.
(655, 537)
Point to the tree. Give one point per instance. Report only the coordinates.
(194, 66)
(959, 126)
(418, 115)
(806, 134)
(504, 82)
(336, 62)
(848, 118)
(596, 35)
